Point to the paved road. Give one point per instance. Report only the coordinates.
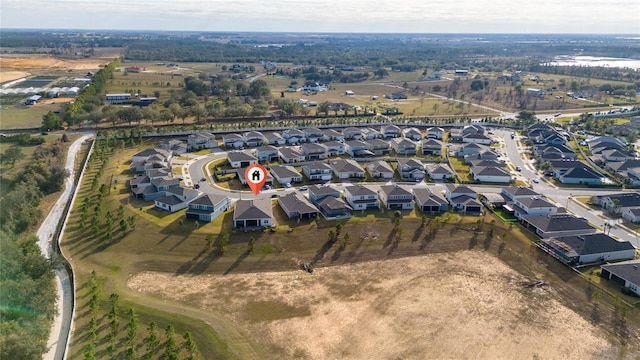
(61, 327)
(512, 150)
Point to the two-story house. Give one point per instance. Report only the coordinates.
(319, 192)
(175, 199)
(463, 198)
(314, 151)
(267, 153)
(431, 147)
(435, 133)
(313, 135)
(412, 133)
(253, 139)
(335, 148)
(378, 147)
(294, 136)
(357, 148)
(396, 197)
(361, 197)
(403, 146)
(208, 207)
(410, 170)
(232, 141)
(352, 133)
(332, 135)
(201, 140)
(390, 131)
(317, 171)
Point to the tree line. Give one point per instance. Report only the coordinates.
(28, 296)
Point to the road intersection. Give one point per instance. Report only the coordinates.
(195, 169)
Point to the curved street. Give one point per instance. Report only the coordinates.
(563, 197)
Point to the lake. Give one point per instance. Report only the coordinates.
(570, 60)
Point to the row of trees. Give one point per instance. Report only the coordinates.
(95, 88)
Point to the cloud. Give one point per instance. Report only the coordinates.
(585, 16)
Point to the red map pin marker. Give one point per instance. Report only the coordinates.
(256, 176)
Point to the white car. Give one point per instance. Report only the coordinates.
(535, 180)
(303, 188)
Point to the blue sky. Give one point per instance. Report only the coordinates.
(415, 16)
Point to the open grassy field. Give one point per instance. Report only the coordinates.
(24, 117)
(451, 275)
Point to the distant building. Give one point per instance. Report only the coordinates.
(136, 69)
(113, 99)
(535, 92)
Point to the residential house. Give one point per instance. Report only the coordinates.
(390, 131)
(378, 147)
(291, 155)
(208, 207)
(513, 193)
(578, 175)
(267, 153)
(275, 139)
(176, 147)
(439, 172)
(241, 159)
(357, 148)
(380, 169)
(589, 248)
(297, 206)
(483, 155)
(317, 171)
(412, 133)
(285, 174)
(403, 146)
(347, 168)
(631, 214)
(313, 135)
(175, 199)
(314, 151)
(456, 134)
(361, 197)
(617, 203)
(463, 198)
(396, 197)
(435, 132)
(411, 170)
(331, 134)
(253, 139)
(396, 96)
(335, 148)
(232, 141)
(532, 206)
(319, 192)
(553, 152)
(334, 208)
(477, 139)
(150, 189)
(470, 148)
(253, 213)
(370, 134)
(241, 172)
(624, 274)
(294, 136)
(201, 140)
(558, 225)
(431, 147)
(146, 154)
(490, 174)
(352, 133)
(429, 202)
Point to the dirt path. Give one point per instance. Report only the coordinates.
(458, 305)
(61, 326)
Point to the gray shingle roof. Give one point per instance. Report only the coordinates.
(591, 244)
(359, 190)
(208, 200)
(253, 209)
(559, 222)
(627, 270)
(295, 202)
(235, 156)
(427, 197)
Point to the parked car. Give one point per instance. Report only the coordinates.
(535, 180)
(303, 188)
(518, 168)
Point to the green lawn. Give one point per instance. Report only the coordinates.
(24, 117)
